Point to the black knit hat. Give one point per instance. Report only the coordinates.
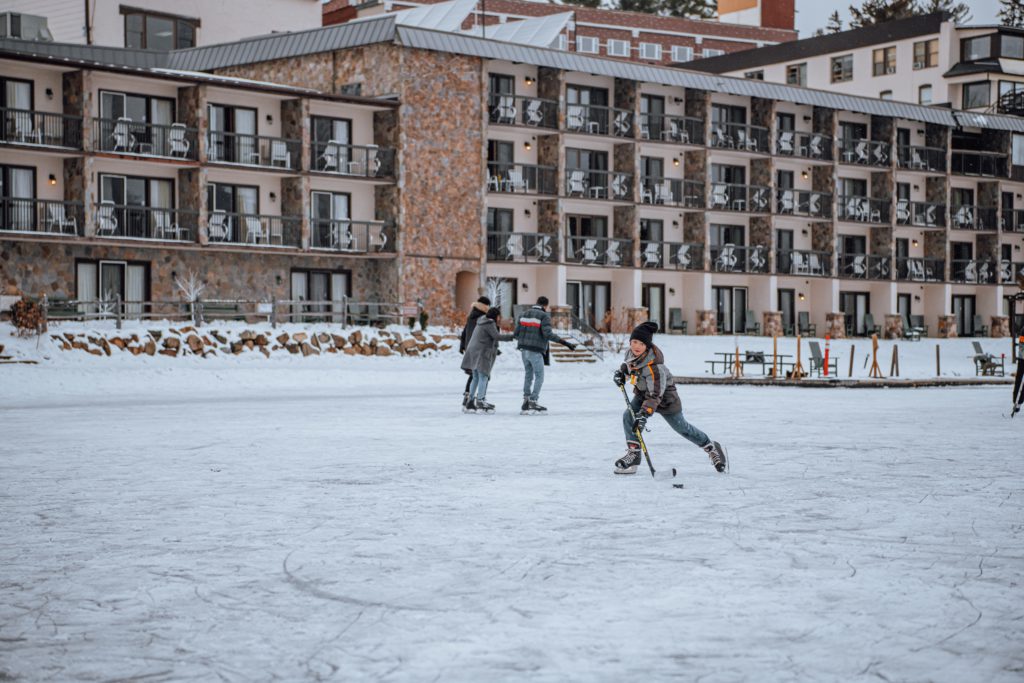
(484, 300)
(644, 332)
(542, 301)
(494, 313)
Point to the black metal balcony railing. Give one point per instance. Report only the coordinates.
(914, 158)
(1010, 271)
(973, 271)
(47, 129)
(1011, 103)
(523, 247)
(350, 236)
(803, 262)
(924, 214)
(731, 258)
(595, 120)
(734, 197)
(804, 145)
(19, 214)
(599, 251)
(863, 209)
(803, 203)
(513, 110)
(522, 178)
(971, 217)
(363, 161)
(598, 184)
(671, 255)
(254, 229)
(984, 164)
(259, 151)
(124, 136)
(1013, 220)
(864, 266)
(672, 192)
(740, 136)
(864, 152)
(920, 269)
(145, 222)
(685, 130)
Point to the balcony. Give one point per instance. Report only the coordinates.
(971, 217)
(599, 251)
(254, 229)
(522, 247)
(510, 110)
(681, 129)
(671, 255)
(920, 269)
(39, 128)
(1011, 103)
(124, 136)
(921, 214)
(740, 136)
(864, 152)
(803, 262)
(973, 271)
(349, 236)
(598, 185)
(929, 159)
(731, 258)
(864, 266)
(256, 151)
(687, 194)
(1009, 272)
(522, 178)
(863, 209)
(1013, 220)
(744, 198)
(368, 161)
(594, 120)
(812, 146)
(803, 203)
(981, 164)
(19, 214)
(145, 222)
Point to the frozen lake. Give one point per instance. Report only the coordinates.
(245, 522)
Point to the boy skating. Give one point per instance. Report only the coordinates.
(653, 391)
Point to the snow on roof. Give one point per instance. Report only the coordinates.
(539, 32)
(444, 16)
(233, 80)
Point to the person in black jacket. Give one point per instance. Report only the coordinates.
(480, 307)
(533, 332)
(479, 359)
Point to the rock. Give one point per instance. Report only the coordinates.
(324, 338)
(445, 347)
(70, 337)
(135, 350)
(186, 330)
(206, 341)
(436, 338)
(292, 348)
(236, 347)
(283, 338)
(247, 335)
(419, 334)
(105, 345)
(172, 343)
(373, 343)
(150, 347)
(78, 345)
(315, 340)
(349, 351)
(168, 352)
(263, 350)
(300, 337)
(220, 338)
(155, 334)
(339, 341)
(408, 344)
(412, 352)
(355, 338)
(330, 349)
(195, 344)
(383, 351)
(384, 333)
(134, 338)
(261, 340)
(367, 351)
(308, 350)
(173, 331)
(95, 352)
(249, 344)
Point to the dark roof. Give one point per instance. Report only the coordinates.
(843, 41)
(985, 66)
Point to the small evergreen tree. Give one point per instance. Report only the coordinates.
(873, 12)
(1012, 13)
(592, 4)
(645, 6)
(958, 11)
(835, 24)
(688, 9)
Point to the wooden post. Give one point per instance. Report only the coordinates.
(775, 356)
(798, 367)
(894, 366)
(737, 367)
(875, 372)
(853, 351)
(938, 362)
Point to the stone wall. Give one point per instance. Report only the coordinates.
(707, 323)
(698, 105)
(935, 247)
(695, 230)
(947, 327)
(295, 126)
(761, 233)
(936, 136)
(988, 195)
(626, 95)
(192, 197)
(772, 325)
(823, 121)
(192, 112)
(762, 113)
(823, 179)
(823, 237)
(625, 160)
(626, 225)
(316, 71)
(883, 129)
(295, 201)
(893, 327)
(880, 241)
(935, 190)
(988, 246)
(761, 172)
(695, 165)
(835, 325)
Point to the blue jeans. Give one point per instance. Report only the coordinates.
(478, 385)
(676, 421)
(533, 362)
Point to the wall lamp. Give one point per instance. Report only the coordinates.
(804, 174)
(526, 287)
(526, 212)
(807, 118)
(671, 291)
(270, 118)
(801, 295)
(803, 231)
(675, 162)
(917, 297)
(53, 179)
(49, 93)
(914, 242)
(527, 145)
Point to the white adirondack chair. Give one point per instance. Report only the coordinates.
(106, 221)
(57, 218)
(219, 227)
(177, 143)
(577, 183)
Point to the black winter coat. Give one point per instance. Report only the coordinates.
(478, 310)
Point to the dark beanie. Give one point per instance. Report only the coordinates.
(542, 301)
(644, 332)
(494, 313)
(484, 300)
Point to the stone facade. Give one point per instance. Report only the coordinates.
(295, 201)
(707, 323)
(1000, 326)
(772, 324)
(635, 316)
(935, 246)
(947, 327)
(762, 113)
(893, 328)
(835, 325)
(822, 236)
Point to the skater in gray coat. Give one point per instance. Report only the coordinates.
(479, 359)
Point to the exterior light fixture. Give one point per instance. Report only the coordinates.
(671, 291)
(675, 162)
(914, 242)
(527, 145)
(529, 80)
(526, 212)
(801, 295)
(49, 93)
(53, 179)
(526, 287)
(273, 196)
(803, 174)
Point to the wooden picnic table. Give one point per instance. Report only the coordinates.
(765, 359)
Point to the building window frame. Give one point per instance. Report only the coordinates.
(181, 26)
(920, 94)
(754, 75)
(965, 48)
(1004, 53)
(650, 51)
(588, 45)
(885, 95)
(926, 54)
(712, 52)
(796, 74)
(617, 47)
(966, 97)
(883, 61)
(841, 68)
(682, 53)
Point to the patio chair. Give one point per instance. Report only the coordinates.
(505, 111)
(683, 256)
(56, 217)
(745, 140)
(645, 127)
(814, 204)
(219, 227)
(786, 143)
(719, 138)
(804, 325)
(620, 186)
(786, 203)
(986, 363)
(575, 117)
(611, 254)
(750, 324)
(881, 156)
(106, 221)
(24, 128)
(542, 248)
(577, 183)
(980, 329)
(915, 269)
(330, 159)
(964, 218)
(663, 192)
(930, 215)
(652, 255)
(726, 258)
(493, 182)
(860, 152)
(719, 196)
(971, 272)
(1005, 271)
(279, 153)
(342, 238)
(671, 133)
(178, 144)
(797, 263)
(818, 361)
(760, 199)
(166, 227)
(815, 265)
(377, 238)
(917, 321)
(870, 327)
(588, 251)
(622, 127)
(902, 211)
(985, 274)
(675, 321)
(858, 266)
(815, 146)
(514, 182)
(758, 262)
(534, 117)
(916, 162)
(909, 331)
(254, 230)
(122, 135)
(512, 248)
(647, 195)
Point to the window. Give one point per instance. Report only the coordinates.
(842, 68)
(711, 52)
(1012, 47)
(152, 31)
(618, 48)
(924, 94)
(973, 49)
(650, 50)
(754, 75)
(975, 95)
(586, 44)
(329, 221)
(563, 42)
(325, 289)
(682, 53)
(18, 183)
(926, 54)
(103, 280)
(796, 74)
(883, 61)
(885, 95)
(1018, 150)
(232, 135)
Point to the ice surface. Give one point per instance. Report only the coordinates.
(339, 518)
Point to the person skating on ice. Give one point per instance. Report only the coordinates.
(653, 391)
(533, 332)
(479, 359)
(480, 307)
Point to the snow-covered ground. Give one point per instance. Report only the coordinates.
(338, 518)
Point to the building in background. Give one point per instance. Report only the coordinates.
(927, 60)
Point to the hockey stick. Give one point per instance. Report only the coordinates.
(639, 437)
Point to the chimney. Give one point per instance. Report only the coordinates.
(765, 13)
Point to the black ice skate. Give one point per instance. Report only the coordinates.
(469, 405)
(532, 408)
(628, 463)
(483, 406)
(718, 456)
(465, 398)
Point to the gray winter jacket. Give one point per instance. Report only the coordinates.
(483, 346)
(652, 381)
(533, 330)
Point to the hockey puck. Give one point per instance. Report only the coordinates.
(677, 486)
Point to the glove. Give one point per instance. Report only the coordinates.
(570, 346)
(619, 378)
(639, 422)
